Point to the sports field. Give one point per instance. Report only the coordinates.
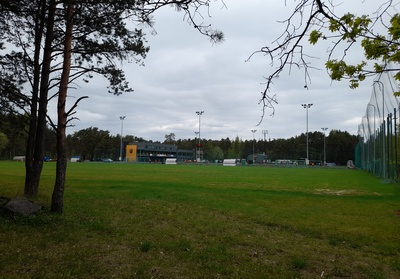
(184, 221)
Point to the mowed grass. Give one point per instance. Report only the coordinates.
(184, 221)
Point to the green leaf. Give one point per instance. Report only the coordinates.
(314, 37)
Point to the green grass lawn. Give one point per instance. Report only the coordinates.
(184, 221)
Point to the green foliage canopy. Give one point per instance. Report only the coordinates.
(377, 34)
(3, 141)
(382, 49)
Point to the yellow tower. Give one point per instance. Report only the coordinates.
(131, 151)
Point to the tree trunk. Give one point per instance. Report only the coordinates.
(57, 201)
(37, 125)
(30, 189)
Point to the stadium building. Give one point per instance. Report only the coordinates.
(155, 152)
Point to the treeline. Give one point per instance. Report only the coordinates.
(339, 146)
(93, 144)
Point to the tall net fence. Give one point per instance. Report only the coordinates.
(378, 148)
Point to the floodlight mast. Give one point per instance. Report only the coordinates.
(122, 125)
(265, 132)
(324, 129)
(199, 113)
(253, 131)
(307, 106)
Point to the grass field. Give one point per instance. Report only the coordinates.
(183, 221)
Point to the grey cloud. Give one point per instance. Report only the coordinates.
(184, 73)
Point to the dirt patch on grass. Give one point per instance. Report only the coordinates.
(335, 192)
(346, 192)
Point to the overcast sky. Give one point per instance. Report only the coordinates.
(185, 73)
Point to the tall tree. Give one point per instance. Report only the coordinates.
(39, 16)
(117, 43)
(235, 150)
(340, 147)
(170, 138)
(3, 141)
(45, 57)
(86, 141)
(57, 199)
(28, 26)
(14, 126)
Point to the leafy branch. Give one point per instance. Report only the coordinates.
(313, 21)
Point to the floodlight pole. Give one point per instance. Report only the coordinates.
(253, 131)
(265, 132)
(324, 129)
(199, 113)
(307, 106)
(122, 125)
(197, 152)
(374, 133)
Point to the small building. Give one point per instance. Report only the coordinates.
(258, 158)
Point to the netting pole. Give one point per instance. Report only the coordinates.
(395, 146)
(388, 124)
